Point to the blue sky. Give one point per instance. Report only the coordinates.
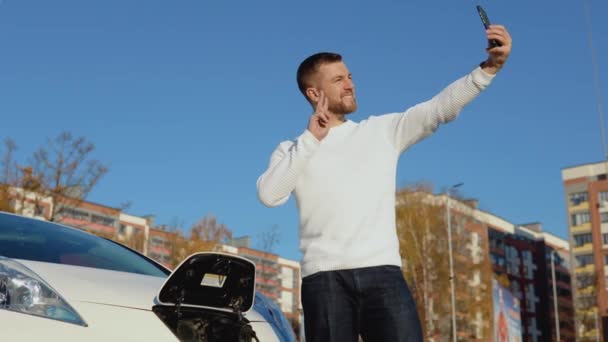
(186, 100)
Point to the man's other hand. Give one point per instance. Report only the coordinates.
(318, 124)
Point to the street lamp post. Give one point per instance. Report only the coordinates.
(555, 295)
(452, 293)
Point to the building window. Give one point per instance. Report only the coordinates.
(496, 238)
(531, 298)
(580, 218)
(516, 290)
(604, 217)
(582, 239)
(156, 256)
(497, 260)
(603, 196)
(606, 259)
(605, 238)
(513, 261)
(157, 241)
(39, 210)
(103, 220)
(528, 265)
(74, 213)
(577, 198)
(584, 260)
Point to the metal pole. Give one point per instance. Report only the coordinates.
(452, 293)
(555, 295)
(451, 271)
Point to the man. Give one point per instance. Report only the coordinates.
(343, 174)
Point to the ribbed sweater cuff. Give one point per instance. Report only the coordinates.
(481, 78)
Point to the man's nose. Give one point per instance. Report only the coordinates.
(349, 84)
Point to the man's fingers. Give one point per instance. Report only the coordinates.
(319, 101)
(498, 51)
(322, 121)
(500, 33)
(503, 40)
(325, 101)
(498, 27)
(325, 116)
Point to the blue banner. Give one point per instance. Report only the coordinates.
(507, 317)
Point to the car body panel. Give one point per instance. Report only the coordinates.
(115, 305)
(105, 323)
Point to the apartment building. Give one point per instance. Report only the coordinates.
(524, 257)
(160, 245)
(586, 199)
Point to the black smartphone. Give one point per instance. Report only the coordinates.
(486, 23)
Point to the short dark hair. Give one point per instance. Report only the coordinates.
(311, 64)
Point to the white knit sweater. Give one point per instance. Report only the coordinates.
(344, 185)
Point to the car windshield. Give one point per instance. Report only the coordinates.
(36, 240)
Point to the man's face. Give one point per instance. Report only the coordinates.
(336, 82)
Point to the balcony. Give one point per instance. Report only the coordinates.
(585, 269)
(87, 225)
(584, 249)
(582, 228)
(580, 207)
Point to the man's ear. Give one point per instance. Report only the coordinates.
(313, 94)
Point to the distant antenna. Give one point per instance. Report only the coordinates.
(597, 82)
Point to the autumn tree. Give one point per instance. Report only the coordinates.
(423, 248)
(585, 306)
(422, 231)
(204, 235)
(66, 171)
(7, 167)
(177, 242)
(62, 172)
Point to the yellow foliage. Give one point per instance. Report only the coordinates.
(422, 231)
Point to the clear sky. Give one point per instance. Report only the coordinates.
(186, 100)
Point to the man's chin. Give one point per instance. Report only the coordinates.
(344, 110)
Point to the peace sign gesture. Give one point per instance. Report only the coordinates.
(318, 124)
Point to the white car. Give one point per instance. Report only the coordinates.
(62, 284)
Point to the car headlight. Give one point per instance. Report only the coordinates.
(22, 290)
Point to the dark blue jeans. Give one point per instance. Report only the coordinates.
(374, 302)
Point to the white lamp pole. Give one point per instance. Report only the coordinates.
(452, 293)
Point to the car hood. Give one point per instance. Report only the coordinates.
(85, 284)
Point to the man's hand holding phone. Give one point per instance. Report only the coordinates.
(497, 56)
(499, 44)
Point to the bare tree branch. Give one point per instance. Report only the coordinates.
(66, 171)
(269, 239)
